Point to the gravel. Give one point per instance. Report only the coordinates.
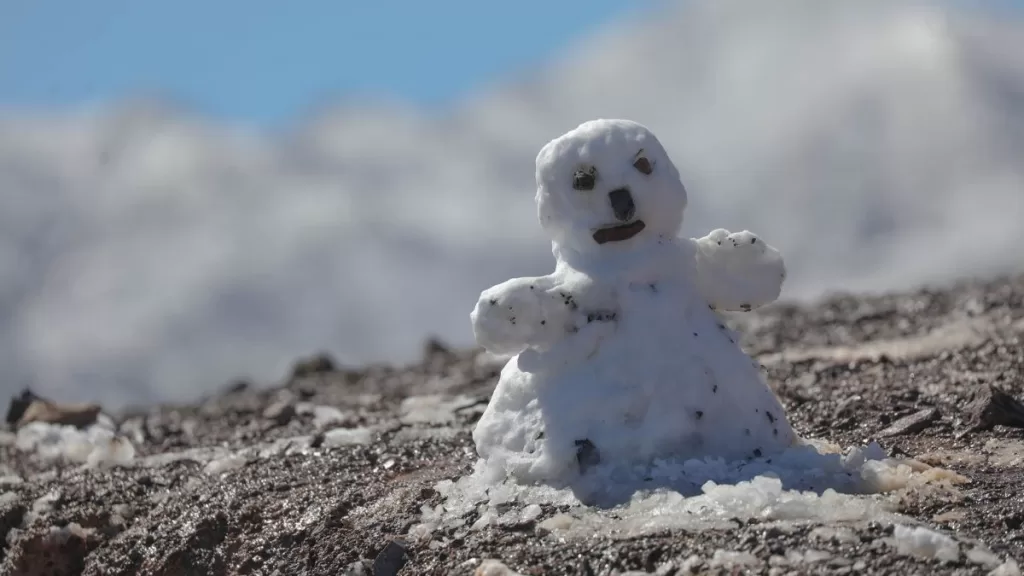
(327, 472)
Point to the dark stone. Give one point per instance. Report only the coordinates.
(912, 424)
(281, 412)
(434, 347)
(237, 387)
(19, 404)
(321, 363)
(391, 559)
(992, 407)
(587, 455)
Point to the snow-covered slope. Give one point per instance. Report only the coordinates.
(146, 254)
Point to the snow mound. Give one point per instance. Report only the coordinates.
(924, 543)
(95, 446)
(808, 483)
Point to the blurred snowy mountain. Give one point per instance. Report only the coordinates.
(149, 254)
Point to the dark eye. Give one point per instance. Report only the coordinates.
(643, 165)
(584, 178)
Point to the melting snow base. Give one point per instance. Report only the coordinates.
(811, 482)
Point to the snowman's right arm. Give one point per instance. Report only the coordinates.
(521, 313)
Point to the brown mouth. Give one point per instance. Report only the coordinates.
(619, 233)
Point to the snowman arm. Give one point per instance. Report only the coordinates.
(521, 313)
(737, 271)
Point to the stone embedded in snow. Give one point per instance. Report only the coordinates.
(620, 350)
(924, 543)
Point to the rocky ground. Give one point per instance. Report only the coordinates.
(327, 472)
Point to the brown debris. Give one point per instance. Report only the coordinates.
(992, 407)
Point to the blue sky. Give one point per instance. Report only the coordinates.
(266, 61)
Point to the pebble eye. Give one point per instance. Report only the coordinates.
(643, 165)
(584, 178)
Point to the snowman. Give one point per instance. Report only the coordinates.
(619, 356)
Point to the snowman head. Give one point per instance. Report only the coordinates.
(608, 186)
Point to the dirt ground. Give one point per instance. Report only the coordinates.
(920, 372)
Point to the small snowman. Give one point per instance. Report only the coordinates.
(620, 356)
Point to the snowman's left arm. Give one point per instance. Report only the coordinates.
(737, 271)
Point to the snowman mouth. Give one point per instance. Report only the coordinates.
(618, 233)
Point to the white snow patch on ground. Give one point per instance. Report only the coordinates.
(983, 556)
(925, 543)
(225, 464)
(1008, 568)
(93, 446)
(491, 567)
(348, 436)
(730, 559)
(694, 495)
(323, 416)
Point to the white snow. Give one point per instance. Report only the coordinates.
(848, 488)
(1008, 568)
(983, 556)
(323, 416)
(925, 543)
(491, 567)
(621, 357)
(729, 559)
(348, 437)
(95, 446)
(226, 464)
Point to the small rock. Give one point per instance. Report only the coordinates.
(42, 410)
(912, 424)
(391, 559)
(281, 412)
(237, 387)
(321, 363)
(587, 455)
(19, 404)
(435, 347)
(992, 407)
